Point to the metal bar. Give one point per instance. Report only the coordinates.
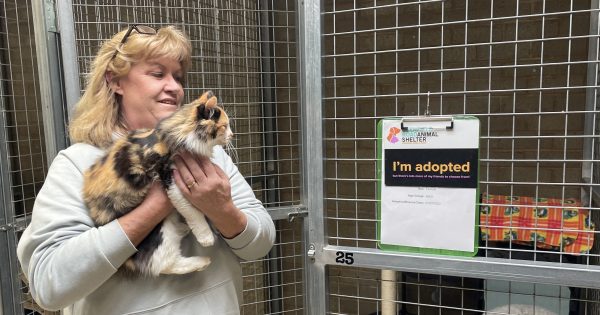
(269, 142)
(281, 213)
(590, 103)
(47, 53)
(564, 274)
(268, 110)
(7, 305)
(310, 97)
(9, 284)
(66, 27)
(269, 150)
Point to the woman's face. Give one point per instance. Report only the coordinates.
(151, 91)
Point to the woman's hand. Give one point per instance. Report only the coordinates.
(157, 198)
(207, 188)
(138, 223)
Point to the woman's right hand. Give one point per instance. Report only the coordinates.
(157, 198)
(138, 223)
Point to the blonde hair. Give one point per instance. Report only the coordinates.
(97, 114)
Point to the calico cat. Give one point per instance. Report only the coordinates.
(119, 181)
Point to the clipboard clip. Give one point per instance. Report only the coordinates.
(449, 119)
(427, 118)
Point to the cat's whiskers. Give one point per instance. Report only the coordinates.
(230, 149)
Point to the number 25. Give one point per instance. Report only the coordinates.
(344, 258)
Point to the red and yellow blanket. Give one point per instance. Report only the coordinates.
(547, 222)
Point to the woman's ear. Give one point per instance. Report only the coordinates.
(114, 85)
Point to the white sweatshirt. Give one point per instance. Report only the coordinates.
(71, 264)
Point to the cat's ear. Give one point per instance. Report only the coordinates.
(208, 108)
(215, 113)
(205, 112)
(201, 113)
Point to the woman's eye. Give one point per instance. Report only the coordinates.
(157, 74)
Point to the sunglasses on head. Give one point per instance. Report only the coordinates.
(141, 29)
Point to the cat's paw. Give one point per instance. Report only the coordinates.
(200, 263)
(205, 238)
(186, 265)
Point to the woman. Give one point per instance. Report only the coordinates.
(136, 80)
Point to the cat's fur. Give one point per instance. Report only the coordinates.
(119, 181)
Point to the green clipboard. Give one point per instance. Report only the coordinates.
(428, 185)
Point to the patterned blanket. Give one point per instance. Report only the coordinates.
(549, 223)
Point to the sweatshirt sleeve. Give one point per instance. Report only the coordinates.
(259, 235)
(64, 256)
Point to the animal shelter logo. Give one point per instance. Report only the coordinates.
(412, 136)
(392, 135)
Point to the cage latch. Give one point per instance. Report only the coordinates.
(8, 226)
(297, 213)
(17, 226)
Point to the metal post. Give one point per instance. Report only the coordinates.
(66, 25)
(591, 195)
(8, 293)
(309, 85)
(9, 297)
(8, 303)
(269, 152)
(590, 102)
(49, 70)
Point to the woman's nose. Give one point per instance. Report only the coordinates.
(173, 84)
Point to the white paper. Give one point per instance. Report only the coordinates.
(429, 217)
(421, 217)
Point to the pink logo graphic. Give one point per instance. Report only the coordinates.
(392, 135)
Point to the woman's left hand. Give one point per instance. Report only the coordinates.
(207, 188)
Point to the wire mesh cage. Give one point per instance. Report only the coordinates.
(359, 291)
(520, 67)
(21, 107)
(23, 150)
(526, 69)
(278, 287)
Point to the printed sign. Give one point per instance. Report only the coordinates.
(431, 167)
(429, 185)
